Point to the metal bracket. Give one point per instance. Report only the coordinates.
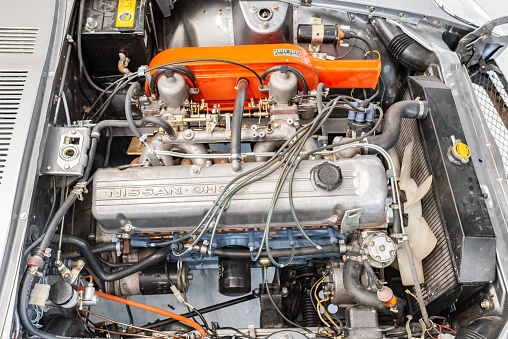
(350, 220)
(318, 33)
(66, 151)
(472, 46)
(154, 161)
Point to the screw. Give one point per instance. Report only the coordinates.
(401, 15)
(23, 216)
(275, 7)
(296, 124)
(372, 9)
(67, 166)
(334, 218)
(253, 8)
(485, 304)
(265, 25)
(392, 253)
(371, 243)
(91, 23)
(73, 131)
(195, 170)
(449, 75)
(378, 257)
(275, 125)
(48, 168)
(382, 247)
(228, 134)
(436, 23)
(127, 227)
(66, 275)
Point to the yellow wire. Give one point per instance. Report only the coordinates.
(352, 90)
(322, 307)
(321, 317)
(374, 51)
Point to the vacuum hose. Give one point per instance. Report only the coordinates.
(236, 124)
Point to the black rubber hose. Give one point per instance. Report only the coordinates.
(390, 132)
(162, 123)
(296, 72)
(176, 68)
(276, 252)
(99, 248)
(360, 295)
(96, 267)
(133, 91)
(236, 124)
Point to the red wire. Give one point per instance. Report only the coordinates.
(165, 313)
(447, 328)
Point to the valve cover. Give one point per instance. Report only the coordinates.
(176, 198)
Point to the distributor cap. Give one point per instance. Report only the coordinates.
(327, 176)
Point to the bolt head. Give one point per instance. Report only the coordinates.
(73, 131)
(372, 9)
(334, 218)
(23, 216)
(265, 25)
(275, 7)
(67, 166)
(401, 15)
(127, 227)
(48, 168)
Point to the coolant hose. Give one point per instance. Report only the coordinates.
(236, 124)
(352, 271)
(392, 121)
(96, 267)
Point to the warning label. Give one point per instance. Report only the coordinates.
(125, 16)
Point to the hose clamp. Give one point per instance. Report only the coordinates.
(95, 135)
(421, 111)
(79, 189)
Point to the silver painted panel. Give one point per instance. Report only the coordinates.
(21, 159)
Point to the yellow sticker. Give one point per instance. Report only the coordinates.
(462, 150)
(125, 13)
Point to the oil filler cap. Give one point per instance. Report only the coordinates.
(327, 176)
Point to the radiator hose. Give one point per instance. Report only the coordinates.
(392, 121)
(360, 295)
(236, 124)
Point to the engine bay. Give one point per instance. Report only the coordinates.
(304, 162)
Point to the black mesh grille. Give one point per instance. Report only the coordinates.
(490, 90)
